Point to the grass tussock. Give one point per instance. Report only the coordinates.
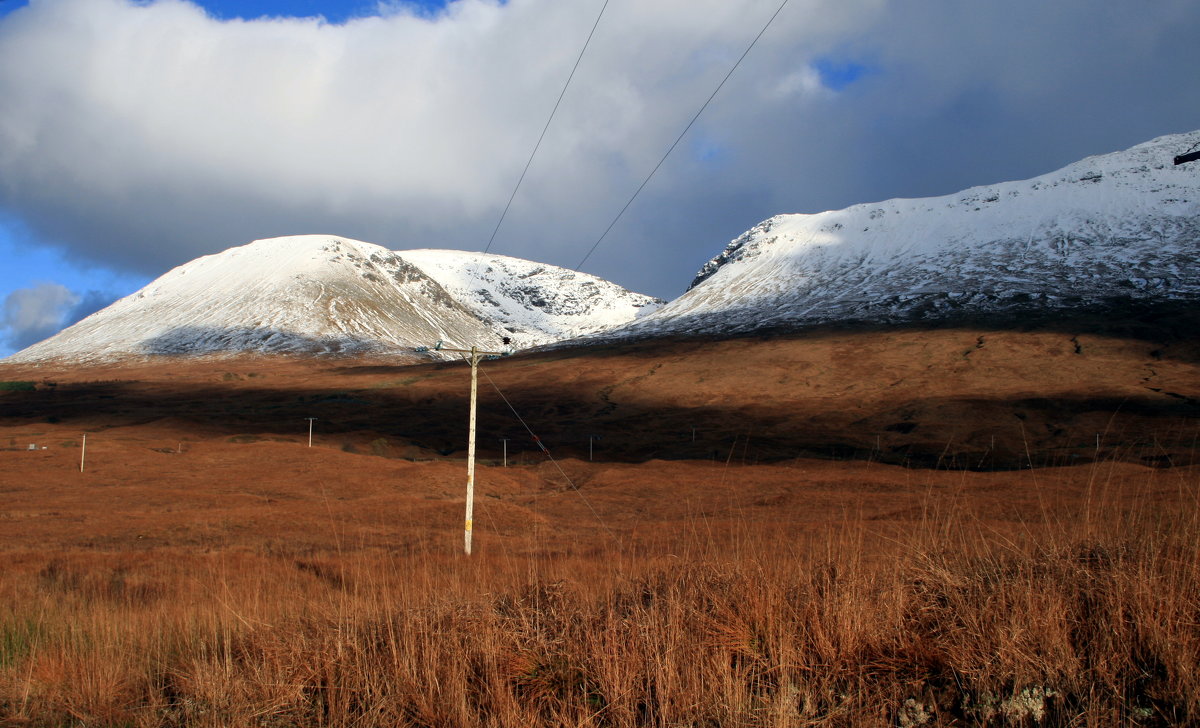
(1088, 621)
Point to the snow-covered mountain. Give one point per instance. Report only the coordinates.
(1118, 226)
(324, 294)
(1113, 227)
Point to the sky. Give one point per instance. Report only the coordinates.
(137, 135)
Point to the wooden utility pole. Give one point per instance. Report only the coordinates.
(473, 355)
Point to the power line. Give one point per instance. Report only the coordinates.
(681, 135)
(546, 127)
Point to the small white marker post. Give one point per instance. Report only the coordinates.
(504, 442)
(474, 356)
(82, 453)
(310, 421)
(590, 438)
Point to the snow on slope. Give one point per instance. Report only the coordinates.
(325, 294)
(1121, 225)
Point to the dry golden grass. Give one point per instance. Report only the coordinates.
(210, 569)
(1082, 617)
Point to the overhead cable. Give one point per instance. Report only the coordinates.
(681, 135)
(546, 127)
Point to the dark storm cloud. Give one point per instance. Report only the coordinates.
(142, 135)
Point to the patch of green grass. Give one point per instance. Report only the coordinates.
(400, 382)
(18, 636)
(246, 438)
(17, 387)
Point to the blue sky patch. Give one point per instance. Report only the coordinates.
(335, 11)
(7, 6)
(837, 74)
(708, 152)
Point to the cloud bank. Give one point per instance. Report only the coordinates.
(31, 314)
(141, 135)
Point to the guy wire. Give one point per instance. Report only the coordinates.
(550, 457)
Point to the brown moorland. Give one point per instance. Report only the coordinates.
(952, 526)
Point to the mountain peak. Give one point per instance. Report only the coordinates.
(324, 294)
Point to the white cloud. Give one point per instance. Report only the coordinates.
(32, 314)
(144, 134)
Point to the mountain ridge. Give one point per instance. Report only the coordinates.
(1124, 225)
(324, 294)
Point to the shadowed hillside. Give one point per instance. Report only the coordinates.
(956, 396)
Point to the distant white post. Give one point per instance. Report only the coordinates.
(504, 442)
(474, 356)
(310, 421)
(82, 452)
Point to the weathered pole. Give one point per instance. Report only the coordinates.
(473, 356)
(471, 455)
